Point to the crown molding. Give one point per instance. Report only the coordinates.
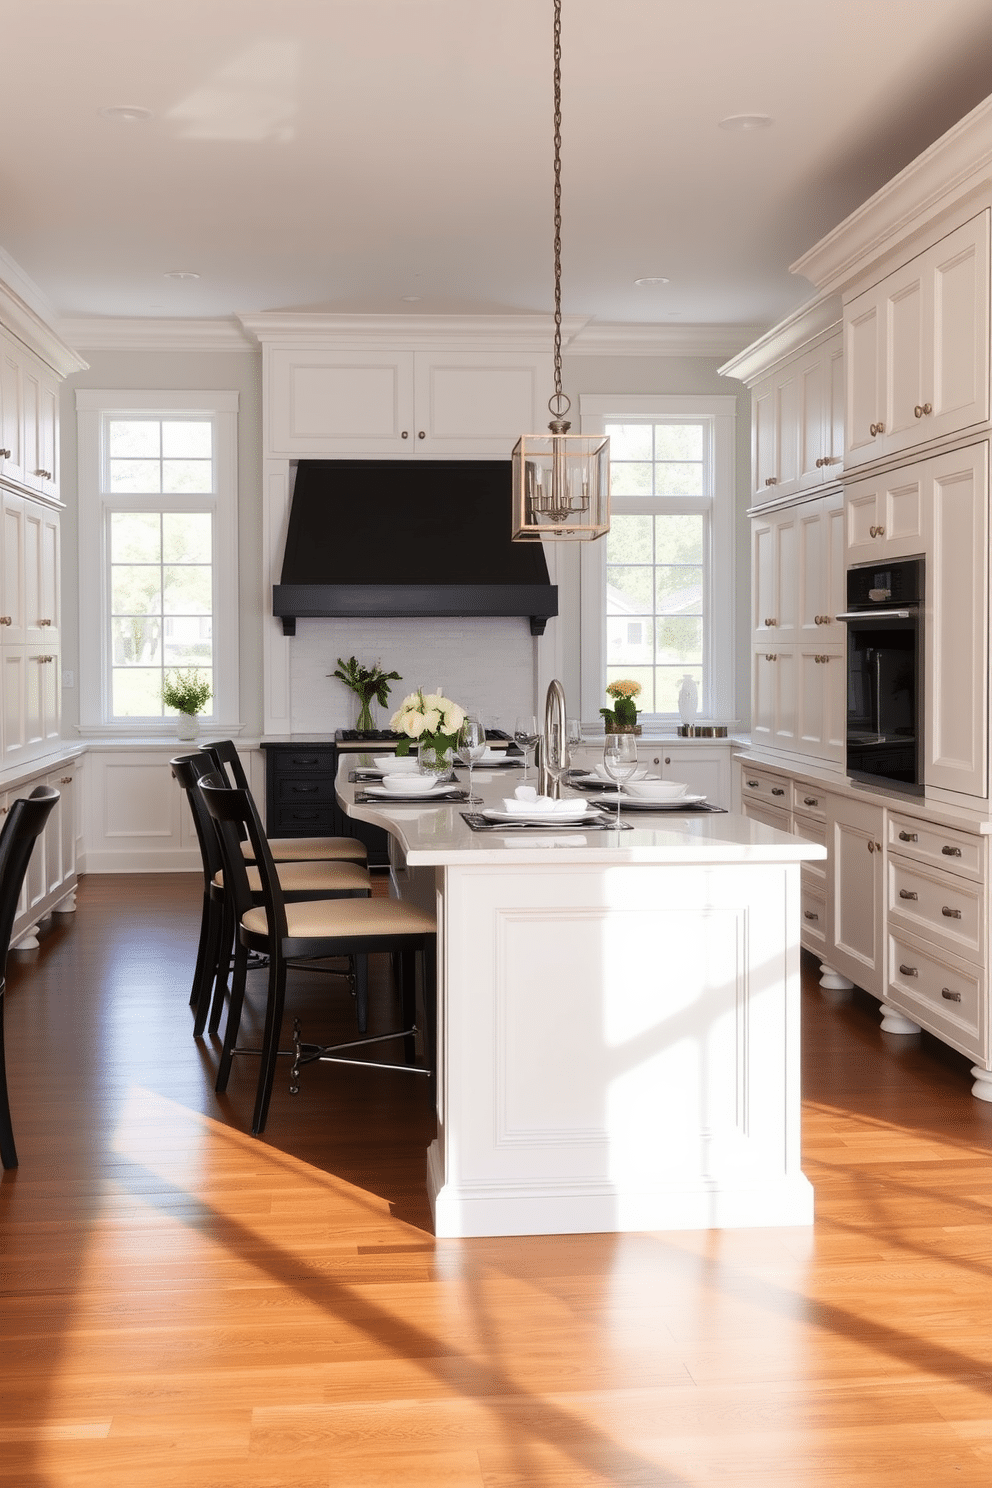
(20, 320)
(99, 333)
(954, 167)
(628, 338)
(812, 322)
(409, 332)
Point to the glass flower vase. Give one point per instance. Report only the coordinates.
(435, 758)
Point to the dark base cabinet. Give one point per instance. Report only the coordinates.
(299, 799)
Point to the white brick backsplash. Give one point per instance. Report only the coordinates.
(488, 666)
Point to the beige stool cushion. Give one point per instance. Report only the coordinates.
(312, 849)
(318, 918)
(312, 878)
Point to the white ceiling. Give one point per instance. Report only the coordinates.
(346, 154)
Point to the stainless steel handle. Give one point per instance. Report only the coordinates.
(950, 996)
(922, 408)
(909, 837)
(951, 852)
(950, 914)
(875, 615)
(908, 971)
(907, 894)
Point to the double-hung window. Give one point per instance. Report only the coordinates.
(657, 592)
(158, 546)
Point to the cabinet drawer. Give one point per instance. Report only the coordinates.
(772, 816)
(297, 821)
(937, 906)
(943, 994)
(292, 762)
(810, 800)
(812, 829)
(813, 924)
(759, 785)
(301, 789)
(943, 847)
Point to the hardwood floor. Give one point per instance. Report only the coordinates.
(184, 1305)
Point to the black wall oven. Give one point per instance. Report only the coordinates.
(885, 674)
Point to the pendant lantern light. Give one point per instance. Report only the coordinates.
(561, 481)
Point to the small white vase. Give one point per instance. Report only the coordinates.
(688, 699)
(187, 726)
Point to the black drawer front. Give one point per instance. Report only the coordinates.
(300, 790)
(298, 821)
(290, 761)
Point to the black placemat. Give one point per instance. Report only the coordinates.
(453, 793)
(478, 823)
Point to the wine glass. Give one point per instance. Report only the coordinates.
(620, 761)
(471, 747)
(526, 735)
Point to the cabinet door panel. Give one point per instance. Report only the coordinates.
(473, 403)
(12, 625)
(813, 374)
(956, 647)
(11, 412)
(905, 374)
(855, 894)
(764, 435)
(959, 388)
(339, 402)
(863, 360)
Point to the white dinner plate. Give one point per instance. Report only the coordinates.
(545, 818)
(433, 794)
(638, 803)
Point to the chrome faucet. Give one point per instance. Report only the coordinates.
(553, 744)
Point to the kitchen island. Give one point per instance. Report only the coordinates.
(618, 1018)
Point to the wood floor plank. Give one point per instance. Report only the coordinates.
(183, 1306)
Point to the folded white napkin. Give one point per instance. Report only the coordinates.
(526, 802)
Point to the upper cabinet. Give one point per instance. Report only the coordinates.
(917, 349)
(33, 362)
(327, 402)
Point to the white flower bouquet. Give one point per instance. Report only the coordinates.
(427, 718)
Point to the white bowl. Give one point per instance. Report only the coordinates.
(406, 784)
(602, 773)
(656, 790)
(394, 764)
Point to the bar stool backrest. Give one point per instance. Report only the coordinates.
(227, 761)
(25, 821)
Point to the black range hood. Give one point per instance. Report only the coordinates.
(409, 539)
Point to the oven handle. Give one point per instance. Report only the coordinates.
(876, 615)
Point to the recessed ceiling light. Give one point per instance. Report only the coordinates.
(411, 299)
(741, 123)
(125, 113)
(180, 274)
(650, 281)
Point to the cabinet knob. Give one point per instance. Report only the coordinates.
(771, 622)
(876, 531)
(950, 996)
(809, 915)
(831, 459)
(668, 759)
(45, 474)
(819, 463)
(44, 622)
(65, 780)
(908, 837)
(405, 434)
(811, 800)
(772, 480)
(874, 429)
(908, 971)
(771, 656)
(753, 784)
(422, 434)
(951, 852)
(948, 913)
(907, 894)
(6, 619)
(4, 454)
(777, 790)
(871, 847)
(923, 408)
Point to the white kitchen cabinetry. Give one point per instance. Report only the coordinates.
(41, 428)
(29, 628)
(11, 410)
(775, 434)
(856, 891)
(917, 349)
(820, 375)
(775, 575)
(821, 569)
(50, 881)
(956, 643)
(404, 404)
(774, 711)
(885, 517)
(705, 770)
(797, 430)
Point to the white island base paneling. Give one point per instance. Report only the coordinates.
(619, 1048)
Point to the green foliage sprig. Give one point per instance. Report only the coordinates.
(366, 683)
(188, 691)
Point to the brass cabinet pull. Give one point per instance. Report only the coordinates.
(822, 620)
(753, 784)
(951, 852)
(908, 971)
(6, 619)
(876, 531)
(809, 915)
(811, 800)
(66, 780)
(922, 408)
(874, 429)
(819, 462)
(777, 790)
(405, 434)
(771, 623)
(950, 996)
(771, 656)
(45, 474)
(832, 459)
(668, 759)
(907, 894)
(909, 837)
(422, 434)
(44, 622)
(950, 914)
(772, 480)
(4, 455)
(871, 847)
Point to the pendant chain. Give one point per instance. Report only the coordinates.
(559, 404)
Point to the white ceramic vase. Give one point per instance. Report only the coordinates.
(688, 699)
(187, 726)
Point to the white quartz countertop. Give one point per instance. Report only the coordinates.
(436, 834)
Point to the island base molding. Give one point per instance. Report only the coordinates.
(494, 1210)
